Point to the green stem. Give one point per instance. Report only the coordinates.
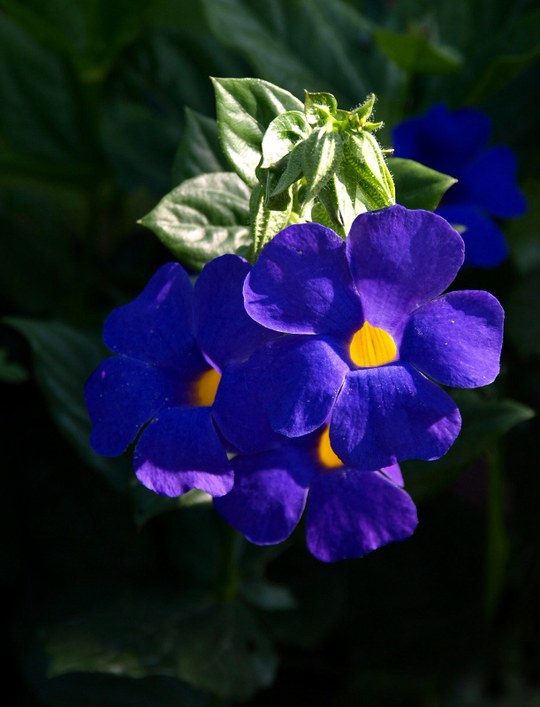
(229, 575)
(497, 543)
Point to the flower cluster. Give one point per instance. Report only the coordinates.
(454, 142)
(300, 382)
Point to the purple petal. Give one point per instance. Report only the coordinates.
(394, 474)
(442, 139)
(240, 414)
(298, 379)
(389, 414)
(179, 451)
(399, 259)
(490, 183)
(157, 326)
(351, 513)
(301, 284)
(485, 245)
(269, 494)
(121, 396)
(456, 339)
(224, 330)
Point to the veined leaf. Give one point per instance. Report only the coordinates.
(204, 217)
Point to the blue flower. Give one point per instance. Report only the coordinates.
(369, 332)
(349, 512)
(174, 342)
(455, 143)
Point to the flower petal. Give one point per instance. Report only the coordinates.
(301, 284)
(121, 396)
(485, 245)
(351, 513)
(298, 379)
(269, 494)
(456, 339)
(179, 451)
(490, 183)
(225, 332)
(394, 474)
(442, 139)
(157, 326)
(389, 414)
(240, 415)
(399, 259)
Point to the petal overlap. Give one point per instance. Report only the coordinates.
(269, 494)
(302, 284)
(121, 396)
(351, 513)
(180, 450)
(389, 414)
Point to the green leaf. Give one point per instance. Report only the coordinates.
(267, 595)
(129, 635)
(418, 186)
(283, 133)
(319, 106)
(293, 170)
(523, 232)
(63, 359)
(299, 45)
(265, 222)
(483, 422)
(522, 320)
(225, 651)
(245, 108)
(199, 151)
(203, 218)
(322, 152)
(416, 54)
(10, 371)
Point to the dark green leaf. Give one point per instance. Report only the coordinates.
(418, 186)
(199, 151)
(225, 651)
(522, 320)
(10, 371)
(204, 217)
(245, 108)
(483, 422)
(416, 54)
(130, 635)
(300, 45)
(63, 360)
(523, 232)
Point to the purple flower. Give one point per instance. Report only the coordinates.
(455, 143)
(372, 329)
(349, 512)
(174, 342)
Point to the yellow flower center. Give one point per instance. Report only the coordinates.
(327, 457)
(371, 346)
(205, 388)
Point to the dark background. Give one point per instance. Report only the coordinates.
(112, 596)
